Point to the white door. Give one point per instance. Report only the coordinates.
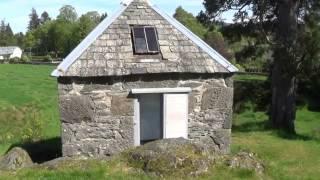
(175, 115)
(151, 127)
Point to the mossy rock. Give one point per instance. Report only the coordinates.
(16, 158)
(170, 157)
(246, 160)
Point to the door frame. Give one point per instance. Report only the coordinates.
(163, 91)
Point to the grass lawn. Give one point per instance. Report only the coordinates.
(22, 86)
(285, 157)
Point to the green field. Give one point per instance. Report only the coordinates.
(28, 88)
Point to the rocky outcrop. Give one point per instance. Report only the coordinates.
(172, 157)
(16, 158)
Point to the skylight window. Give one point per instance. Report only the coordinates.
(145, 40)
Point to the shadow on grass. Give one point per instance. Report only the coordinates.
(42, 151)
(265, 126)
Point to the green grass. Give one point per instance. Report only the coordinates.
(79, 170)
(248, 77)
(285, 157)
(22, 85)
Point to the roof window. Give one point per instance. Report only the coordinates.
(145, 40)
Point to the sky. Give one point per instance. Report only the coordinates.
(16, 12)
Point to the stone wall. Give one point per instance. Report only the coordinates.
(97, 114)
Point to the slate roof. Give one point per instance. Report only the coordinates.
(108, 50)
(7, 50)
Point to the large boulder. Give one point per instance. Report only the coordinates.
(179, 157)
(16, 158)
(246, 160)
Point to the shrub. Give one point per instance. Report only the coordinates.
(47, 58)
(25, 59)
(14, 60)
(316, 133)
(21, 124)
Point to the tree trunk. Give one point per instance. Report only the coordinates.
(283, 107)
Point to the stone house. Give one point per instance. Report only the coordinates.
(140, 76)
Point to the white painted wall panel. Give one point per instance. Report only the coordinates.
(176, 115)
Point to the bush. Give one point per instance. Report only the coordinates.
(14, 60)
(25, 59)
(47, 58)
(316, 133)
(21, 124)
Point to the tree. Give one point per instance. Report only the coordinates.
(2, 33)
(94, 16)
(34, 20)
(29, 41)
(44, 17)
(207, 32)
(68, 13)
(86, 24)
(19, 37)
(216, 40)
(6, 34)
(103, 16)
(190, 21)
(282, 24)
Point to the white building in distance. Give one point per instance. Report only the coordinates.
(10, 52)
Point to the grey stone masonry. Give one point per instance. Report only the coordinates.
(97, 113)
(112, 53)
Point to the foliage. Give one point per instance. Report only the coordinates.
(216, 40)
(190, 21)
(44, 17)
(25, 58)
(20, 124)
(6, 35)
(285, 28)
(34, 20)
(68, 14)
(57, 37)
(210, 34)
(48, 58)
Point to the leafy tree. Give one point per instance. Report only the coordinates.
(190, 21)
(208, 33)
(68, 13)
(216, 40)
(86, 24)
(6, 34)
(43, 39)
(34, 20)
(285, 26)
(61, 37)
(94, 16)
(2, 33)
(44, 17)
(19, 37)
(29, 41)
(103, 16)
